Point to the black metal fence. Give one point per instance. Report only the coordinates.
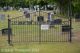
(39, 29)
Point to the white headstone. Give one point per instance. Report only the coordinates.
(2, 17)
(21, 9)
(45, 27)
(35, 8)
(11, 8)
(26, 9)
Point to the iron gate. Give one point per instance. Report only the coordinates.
(33, 29)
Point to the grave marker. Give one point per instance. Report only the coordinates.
(57, 21)
(77, 17)
(5, 31)
(40, 19)
(2, 17)
(66, 28)
(45, 27)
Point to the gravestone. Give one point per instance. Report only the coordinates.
(57, 21)
(24, 22)
(26, 12)
(20, 23)
(27, 15)
(49, 7)
(40, 19)
(2, 17)
(5, 31)
(51, 23)
(45, 27)
(11, 8)
(14, 22)
(38, 9)
(45, 7)
(49, 16)
(77, 17)
(35, 8)
(66, 28)
(26, 9)
(29, 22)
(21, 9)
(5, 8)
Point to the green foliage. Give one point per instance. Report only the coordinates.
(76, 4)
(63, 4)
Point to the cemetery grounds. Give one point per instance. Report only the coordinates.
(54, 47)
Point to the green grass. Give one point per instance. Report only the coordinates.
(31, 33)
(54, 47)
(46, 48)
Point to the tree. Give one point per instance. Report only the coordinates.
(76, 6)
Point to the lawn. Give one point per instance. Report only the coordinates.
(73, 47)
(35, 47)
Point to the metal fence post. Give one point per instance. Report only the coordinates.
(9, 32)
(70, 30)
(70, 14)
(39, 33)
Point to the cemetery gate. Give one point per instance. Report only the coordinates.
(39, 28)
